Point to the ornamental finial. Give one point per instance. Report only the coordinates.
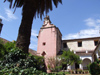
(47, 20)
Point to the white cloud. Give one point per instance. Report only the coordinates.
(93, 30)
(9, 15)
(83, 34)
(33, 46)
(3, 18)
(90, 22)
(34, 33)
(98, 21)
(34, 40)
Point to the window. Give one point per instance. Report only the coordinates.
(80, 44)
(64, 45)
(95, 43)
(44, 43)
(43, 53)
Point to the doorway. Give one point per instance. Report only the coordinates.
(76, 66)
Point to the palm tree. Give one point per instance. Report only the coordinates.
(30, 8)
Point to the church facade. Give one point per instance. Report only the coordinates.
(50, 44)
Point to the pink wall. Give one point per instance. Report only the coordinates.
(47, 36)
(49, 41)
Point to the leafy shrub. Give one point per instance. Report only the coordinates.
(16, 62)
(79, 70)
(69, 58)
(94, 68)
(2, 49)
(9, 45)
(61, 73)
(54, 64)
(19, 71)
(5, 48)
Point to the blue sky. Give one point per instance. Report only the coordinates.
(75, 19)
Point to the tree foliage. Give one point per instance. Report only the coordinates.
(41, 6)
(2, 49)
(94, 68)
(62, 62)
(10, 45)
(5, 48)
(16, 62)
(69, 58)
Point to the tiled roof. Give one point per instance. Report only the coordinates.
(33, 52)
(4, 40)
(91, 38)
(83, 54)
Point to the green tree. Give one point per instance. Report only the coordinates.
(5, 48)
(61, 62)
(9, 45)
(30, 8)
(94, 68)
(2, 49)
(68, 58)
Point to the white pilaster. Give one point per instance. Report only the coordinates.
(69, 67)
(81, 66)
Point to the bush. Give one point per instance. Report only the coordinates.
(69, 58)
(79, 70)
(16, 62)
(5, 48)
(2, 49)
(9, 45)
(94, 68)
(61, 73)
(54, 64)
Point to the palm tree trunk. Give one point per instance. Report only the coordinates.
(23, 39)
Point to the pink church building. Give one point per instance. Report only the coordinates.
(49, 39)
(50, 44)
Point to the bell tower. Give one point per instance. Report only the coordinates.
(49, 39)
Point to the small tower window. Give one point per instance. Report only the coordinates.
(80, 44)
(44, 43)
(95, 42)
(43, 53)
(64, 45)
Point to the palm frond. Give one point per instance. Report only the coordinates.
(41, 6)
(55, 3)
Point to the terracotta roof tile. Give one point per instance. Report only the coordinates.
(33, 52)
(83, 54)
(4, 40)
